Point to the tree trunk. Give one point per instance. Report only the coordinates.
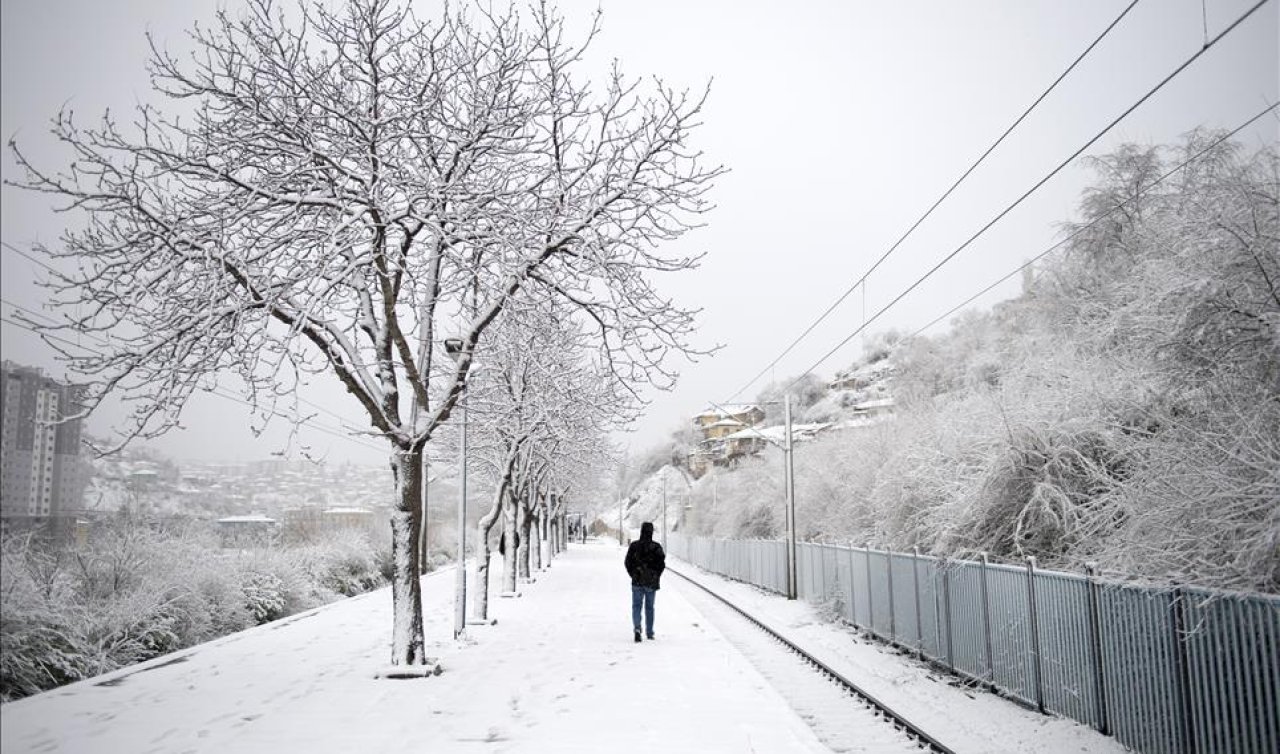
(509, 552)
(544, 548)
(535, 547)
(523, 570)
(480, 600)
(406, 590)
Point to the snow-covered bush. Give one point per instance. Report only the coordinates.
(264, 595)
(134, 592)
(345, 564)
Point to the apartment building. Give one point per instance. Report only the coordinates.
(41, 474)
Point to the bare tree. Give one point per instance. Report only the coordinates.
(347, 186)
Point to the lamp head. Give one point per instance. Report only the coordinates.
(453, 347)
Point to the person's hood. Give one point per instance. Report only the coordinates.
(646, 530)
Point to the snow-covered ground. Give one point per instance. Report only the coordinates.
(559, 672)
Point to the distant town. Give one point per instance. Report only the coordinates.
(50, 482)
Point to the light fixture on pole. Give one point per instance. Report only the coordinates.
(454, 348)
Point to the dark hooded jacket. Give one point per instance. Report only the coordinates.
(645, 559)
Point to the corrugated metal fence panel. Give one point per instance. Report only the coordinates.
(1139, 668)
(930, 599)
(904, 599)
(780, 566)
(1233, 664)
(804, 572)
(879, 587)
(861, 597)
(821, 579)
(834, 587)
(1010, 631)
(1062, 602)
(968, 630)
(844, 573)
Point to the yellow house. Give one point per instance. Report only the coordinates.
(714, 423)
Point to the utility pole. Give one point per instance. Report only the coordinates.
(664, 506)
(460, 596)
(791, 501)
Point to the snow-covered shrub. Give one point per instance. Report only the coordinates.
(134, 592)
(212, 605)
(38, 646)
(1040, 494)
(346, 563)
(38, 651)
(264, 596)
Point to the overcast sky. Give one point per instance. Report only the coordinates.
(841, 122)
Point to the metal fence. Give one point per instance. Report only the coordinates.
(1176, 671)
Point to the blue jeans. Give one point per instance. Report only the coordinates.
(642, 595)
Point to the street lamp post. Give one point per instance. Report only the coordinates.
(790, 482)
(664, 506)
(453, 347)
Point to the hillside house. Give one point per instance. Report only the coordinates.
(864, 376)
(712, 426)
(248, 531)
(874, 408)
(307, 523)
(715, 422)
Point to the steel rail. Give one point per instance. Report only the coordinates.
(896, 719)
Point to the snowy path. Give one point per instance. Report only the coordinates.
(559, 673)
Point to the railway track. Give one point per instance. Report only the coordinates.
(871, 726)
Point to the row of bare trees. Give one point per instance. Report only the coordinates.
(542, 413)
(330, 191)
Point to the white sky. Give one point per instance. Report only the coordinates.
(841, 122)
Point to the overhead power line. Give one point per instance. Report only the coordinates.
(862, 280)
(1243, 17)
(1142, 192)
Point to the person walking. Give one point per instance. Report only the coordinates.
(645, 563)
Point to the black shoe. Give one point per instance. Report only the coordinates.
(637, 636)
(650, 637)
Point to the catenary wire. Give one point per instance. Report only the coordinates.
(1095, 221)
(1217, 38)
(862, 280)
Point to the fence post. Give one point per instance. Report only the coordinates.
(986, 622)
(871, 605)
(1179, 625)
(1095, 642)
(1036, 669)
(893, 622)
(937, 606)
(946, 602)
(915, 578)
